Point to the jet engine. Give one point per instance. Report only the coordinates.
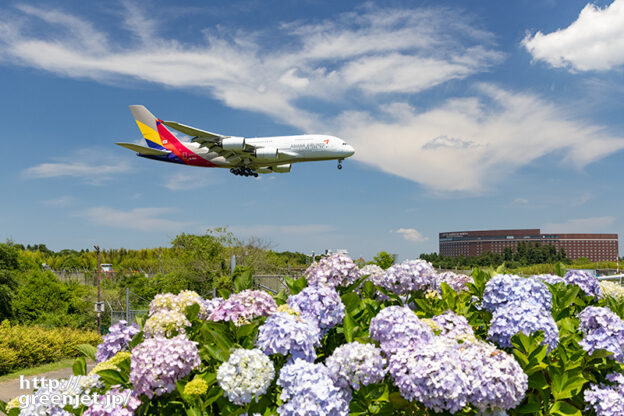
(282, 168)
(266, 153)
(233, 143)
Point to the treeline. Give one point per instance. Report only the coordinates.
(30, 293)
(526, 254)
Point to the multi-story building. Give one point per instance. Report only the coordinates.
(596, 247)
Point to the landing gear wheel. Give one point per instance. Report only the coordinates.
(339, 164)
(255, 174)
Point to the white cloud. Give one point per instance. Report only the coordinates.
(595, 41)
(491, 135)
(521, 201)
(371, 50)
(143, 219)
(89, 165)
(581, 225)
(411, 234)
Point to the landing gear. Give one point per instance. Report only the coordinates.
(244, 172)
(340, 164)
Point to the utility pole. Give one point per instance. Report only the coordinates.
(99, 267)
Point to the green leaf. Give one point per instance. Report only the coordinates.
(529, 408)
(216, 352)
(562, 408)
(112, 377)
(87, 350)
(3, 406)
(79, 368)
(352, 302)
(243, 280)
(398, 402)
(349, 326)
(296, 286)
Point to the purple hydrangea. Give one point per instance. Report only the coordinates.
(409, 276)
(397, 327)
(242, 307)
(446, 375)
(308, 389)
(321, 304)
(584, 279)
(333, 270)
(432, 374)
(157, 363)
(607, 400)
(602, 330)
(551, 279)
(453, 325)
(375, 273)
(457, 282)
(508, 288)
(284, 333)
(106, 408)
(117, 339)
(354, 363)
(525, 317)
(497, 380)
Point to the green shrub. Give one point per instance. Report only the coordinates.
(24, 346)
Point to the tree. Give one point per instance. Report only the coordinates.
(383, 259)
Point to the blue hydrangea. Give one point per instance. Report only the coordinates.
(457, 282)
(551, 279)
(117, 339)
(525, 317)
(409, 276)
(607, 400)
(602, 330)
(584, 279)
(354, 363)
(321, 304)
(397, 327)
(308, 389)
(284, 333)
(453, 325)
(507, 288)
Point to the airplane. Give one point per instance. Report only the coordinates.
(243, 156)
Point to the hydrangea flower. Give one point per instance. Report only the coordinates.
(187, 298)
(508, 288)
(447, 375)
(157, 363)
(166, 323)
(321, 304)
(242, 307)
(283, 333)
(611, 289)
(117, 339)
(602, 330)
(457, 282)
(112, 363)
(308, 389)
(354, 363)
(551, 279)
(333, 270)
(104, 408)
(607, 400)
(409, 276)
(397, 327)
(375, 273)
(247, 373)
(162, 301)
(452, 325)
(38, 404)
(585, 280)
(211, 305)
(524, 317)
(433, 374)
(196, 387)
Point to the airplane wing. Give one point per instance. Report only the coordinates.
(142, 149)
(192, 131)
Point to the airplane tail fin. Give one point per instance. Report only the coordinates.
(148, 124)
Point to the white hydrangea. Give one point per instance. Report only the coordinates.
(611, 289)
(166, 323)
(354, 363)
(247, 373)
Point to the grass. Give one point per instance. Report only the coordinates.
(58, 365)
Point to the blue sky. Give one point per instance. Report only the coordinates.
(464, 115)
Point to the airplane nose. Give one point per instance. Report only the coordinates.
(350, 150)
